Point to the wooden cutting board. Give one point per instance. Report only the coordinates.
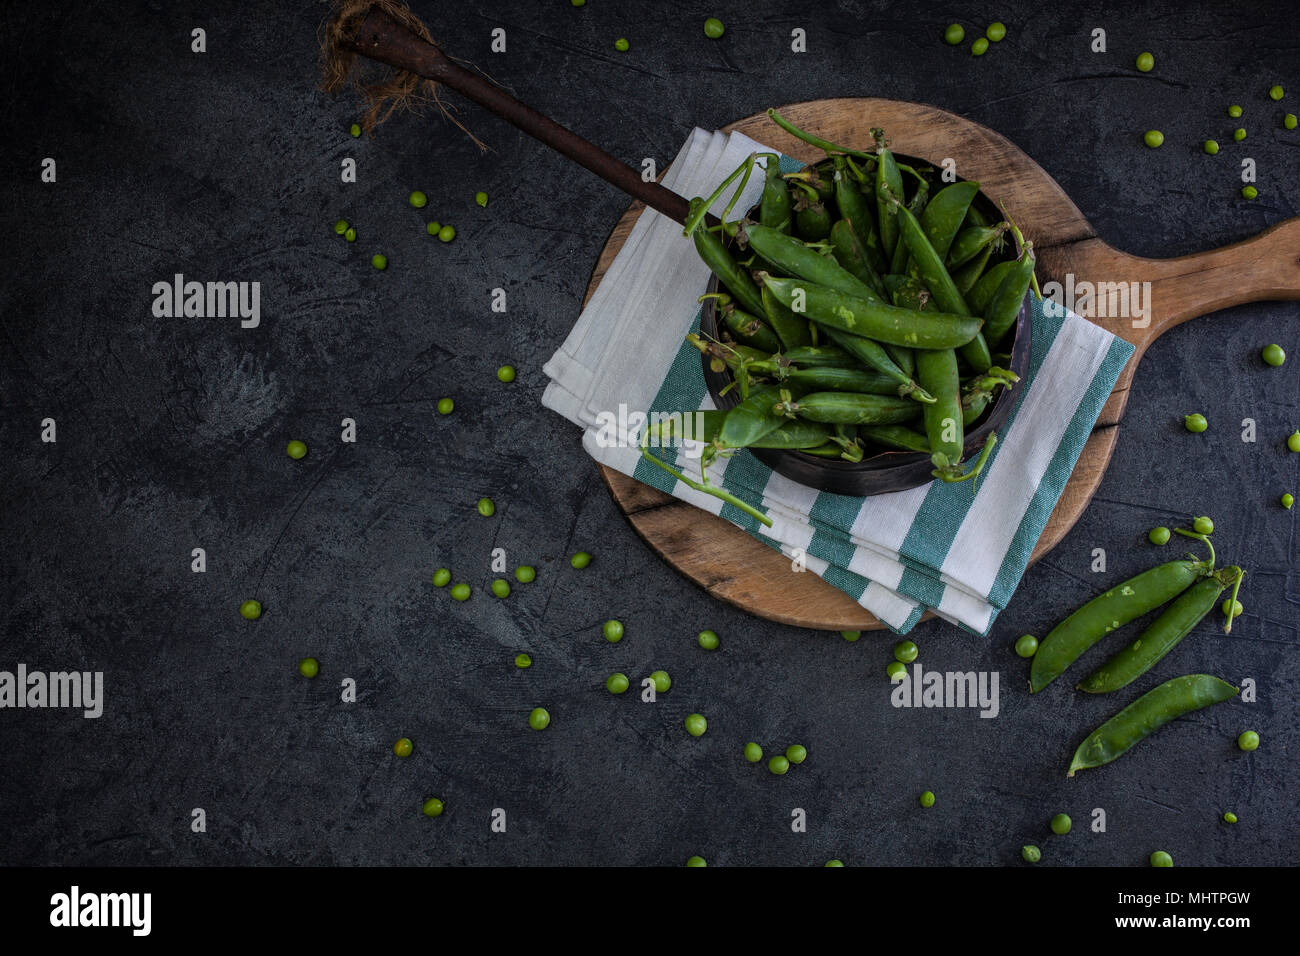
(736, 568)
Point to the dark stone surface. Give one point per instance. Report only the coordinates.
(171, 434)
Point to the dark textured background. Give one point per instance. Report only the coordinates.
(224, 166)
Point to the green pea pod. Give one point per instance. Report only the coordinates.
(723, 264)
(852, 204)
(1108, 612)
(936, 370)
(789, 328)
(976, 218)
(750, 330)
(1004, 308)
(775, 209)
(982, 292)
(874, 355)
(1162, 636)
(852, 257)
(966, 277)
(911, 294)
(842, 380)
(828, 450)
(797, 435)
(944, 213)
(896, 436)
(848, 408)
(971, 241)
(904, 358)
(801, 262)
(889, 184)
(820, 356)
(753, 418)
(1146, 715)
(812, 221)
(875, 320)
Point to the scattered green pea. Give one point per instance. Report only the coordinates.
(432, 807)
(1161, 858)
(1288, 500)
(523, 661)
(1249, 192)
(1211, 147)
(1273, 355)
(1145, 62)
(927, 799)
(486, 507)
(905, 652)
(403, 747)
(1061, 824)
(1158, 535)
(1153, 138)
(1293, 441)
(996, 32)
(525, 574)
(379, 261)
(1234, 111)
(661, 681)
(539, 719)
(613, 631)
(446, 233)
(1203, 525)
(1248, 741)
(583, 3)
(250, 610)
(713, 28)
(1239, 133)
(1027, 645)
(895, 670)
(850, 636)
(501, 588)
(954, 34)
(340, 227)
(296, 450)
(355, 130)
(350, 235)
(460, 592)
(1289, 121)
(708, 640)
(1275, 93)
(1030, 853)
(796, 753)
(696, 725)
(778, 764)
(616, 683)
(834, 863)
(418, 199)
(695, 860)
(753, 752)
(309, 667)
(1195, 422)
(1231, 608)
(580, 560)
(1229, 817)
(480, 198)
(979, 47)
(441, 578)
(433, 228)
(621, 45)
(445, 406)
(506, 373)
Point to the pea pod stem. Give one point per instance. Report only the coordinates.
(1232, 603)
(812, 140)
(743, 170)
(704, 486)
(1203, 538)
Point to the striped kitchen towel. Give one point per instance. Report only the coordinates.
(956, 549)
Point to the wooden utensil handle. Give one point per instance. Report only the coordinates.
(379, 37)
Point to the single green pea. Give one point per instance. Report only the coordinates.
(418, 199)
(379, 261)
(433, 807)
(661, 681)
(996, 32)
(1030, 853)
(340, 227)
(441, 578)
(613, 631)
(355, 130)
(850, 636)
(1211, 147)
(309, 667)
(1153, 138)
(979, 47)
(905, 652)
(480, 198)
(1231, 608)
(1239, 133)
(506, 373)
(539, 719)
(446, 233)
(1146, 62)
(1161, 858)
(523, 661)
(695, 860)
(486, 507)
(954, 34)
(525, 574)
(1027, 645)
(713, 28)
(445, 406)
(460, 592)
(708, 640)
(433, 228)
(1275, 93)
(753, 752)
(296, 450)
(896, 670)
(1158, 535)
(250, 610)
(1249, 192)
(1289, 121)
(1293, 441)
(1195, 423)
(1273, 355)
(1234, 111)
(778, 764)
(616, 683)
(1248, 741)
(583, 3)
(501, 588)
(696, 725)
(621, 45)
(796, 753)
(834, 863)
(1229, 817)
(403, 747)
(1288, 500)
(350, 235)
(927, 799)
(580, 560)
(1203, 525)
(1061, 824)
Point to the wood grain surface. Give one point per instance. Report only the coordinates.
(742, 571)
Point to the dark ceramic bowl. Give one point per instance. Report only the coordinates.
(887, 470)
